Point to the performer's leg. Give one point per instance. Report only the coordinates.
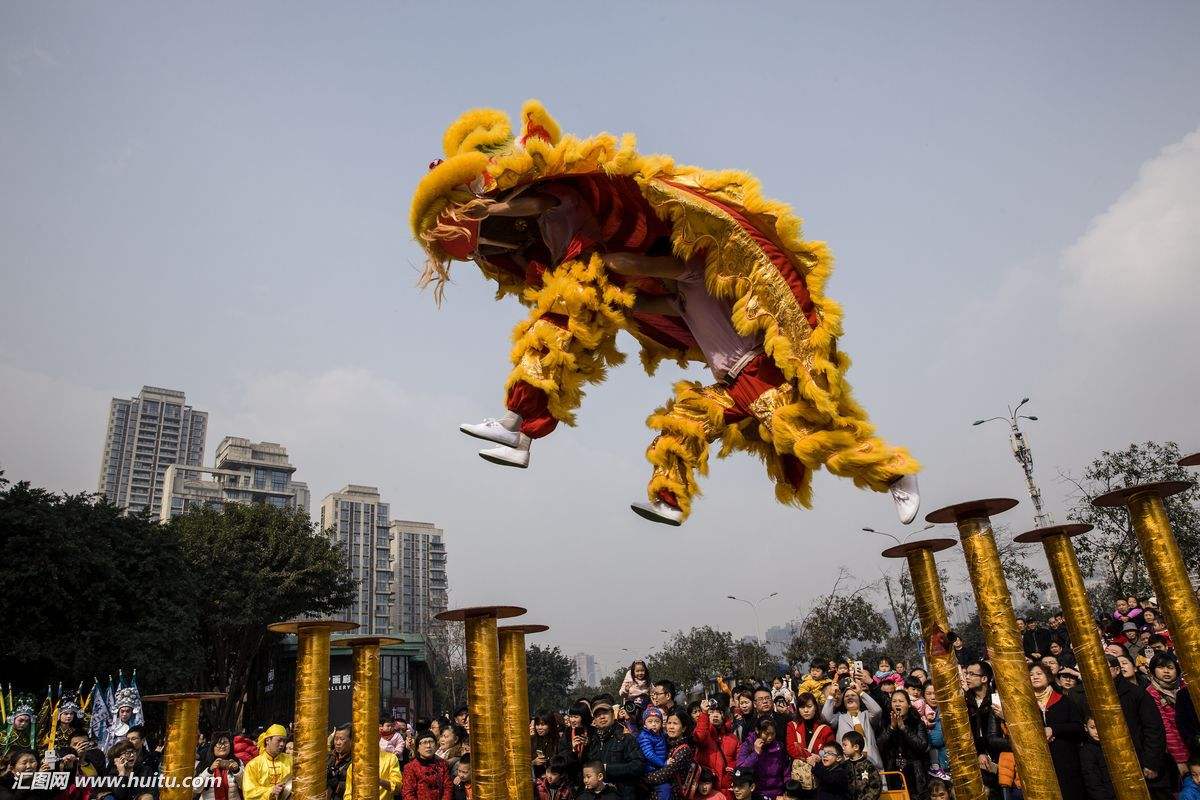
(805, 440)
(568, 340)
(687, 424)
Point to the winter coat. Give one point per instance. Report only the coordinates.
(1166, 710)
(542, 790)
(869, 711)
(938, 754)
(906, 750)
(631, 688)
(1146, 729)
(621, 757)
(1190, 790)
(1187, 720)
(654, 749)
(865, 782)
(426, 780)
(833, 783)
(989, 737)
(716, 749)
(605, 792)
(770, 766)
(1097, 783)
(814, 686)
(1062, 717)
(232, 780)
(244, 749)
(680, 757)
(800, 733)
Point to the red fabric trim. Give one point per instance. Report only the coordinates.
(787, 270)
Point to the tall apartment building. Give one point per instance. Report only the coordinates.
(245, 472)
(419, 564)
(356, 519)
(146, 434)
(585, 669)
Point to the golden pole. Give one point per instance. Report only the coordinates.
(1165, 564)
(312, 702)
(364, 714)
(943, 665)
(488, 770)
(183, 733)
(514, 680)
(1119, 752)
(1026, 725)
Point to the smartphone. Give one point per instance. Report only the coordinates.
(855, 667)
(996, 699)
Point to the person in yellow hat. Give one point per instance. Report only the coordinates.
(268, 776)
(390, 776)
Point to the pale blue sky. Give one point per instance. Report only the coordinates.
(213, 197)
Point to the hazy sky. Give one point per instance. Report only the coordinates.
(213, 197)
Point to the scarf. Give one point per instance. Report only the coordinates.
(1167, 690)
(1043, 696)
(221, 789)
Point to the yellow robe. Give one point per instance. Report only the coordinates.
(389, 773)
(262, 773)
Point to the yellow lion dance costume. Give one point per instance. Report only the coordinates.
(594, 238)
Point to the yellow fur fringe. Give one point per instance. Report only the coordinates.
(561, 361)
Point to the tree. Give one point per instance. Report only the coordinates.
(448, 663)
(751, 659)
(1109, 556)
(89, 591)
(902, 643)
(694, 657)
(256, 564)
(834, 621)
(1025, 583)
(550, 673)
(611, 683)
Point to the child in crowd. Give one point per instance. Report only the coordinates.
(594, 785)
(1191, 781)
(831, 772)
(1097, 783)
(555, 783)
(653, 743)
(637, 681)
(865, 782)
(462, 779)
(706, 786)
(1126, 613)
(742, 785)
(940, 789)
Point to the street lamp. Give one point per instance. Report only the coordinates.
(754, 608)
(906, 536)
(1024, 457)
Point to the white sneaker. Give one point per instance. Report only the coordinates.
(658, 511)
(492, 430)
(907, 497)
(507, 456)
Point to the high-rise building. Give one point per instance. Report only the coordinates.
(245, 472)
(356, 520)
(585, 669)
(419, 564)
(146, 434)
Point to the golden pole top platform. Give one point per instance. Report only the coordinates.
(972, 509)
(932, 545)
(463, 614)
(1067, 529)
(295, 626)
